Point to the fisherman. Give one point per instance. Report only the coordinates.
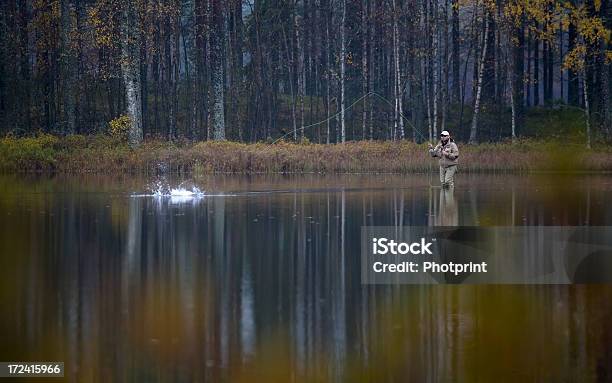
(448, 153)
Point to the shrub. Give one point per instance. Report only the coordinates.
(28, 153)
(119, 128)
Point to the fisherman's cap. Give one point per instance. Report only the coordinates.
(445, 133)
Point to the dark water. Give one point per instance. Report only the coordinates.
(263, 283)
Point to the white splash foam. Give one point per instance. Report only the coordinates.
(160, 189)
(181, 192)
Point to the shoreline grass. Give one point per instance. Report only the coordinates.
(105, 154)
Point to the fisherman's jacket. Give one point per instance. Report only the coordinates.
(448, 153)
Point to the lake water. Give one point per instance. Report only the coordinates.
(259, 280)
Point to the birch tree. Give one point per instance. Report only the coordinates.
(481, 64)
(435, 67)
(399, 122)
(300, 72)
(217, 67)
(130, 68)
(342, 72)
(364, 63)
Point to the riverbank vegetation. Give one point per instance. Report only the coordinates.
(107, 154)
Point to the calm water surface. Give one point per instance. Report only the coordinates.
(261, 281)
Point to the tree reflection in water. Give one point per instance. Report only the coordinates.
(267, 286)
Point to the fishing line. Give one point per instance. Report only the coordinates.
(371, 93)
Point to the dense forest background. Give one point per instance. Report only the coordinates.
(322, 70)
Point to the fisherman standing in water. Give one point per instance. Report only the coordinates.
(448, 153)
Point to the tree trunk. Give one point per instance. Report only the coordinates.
(455, 51)
(536, 72)
(238, 65)
(364, 63)
(489, 75)
(3, 73)
(176, 62)
(528, 96)
(550, 72)
(290, 81)
(587, 111)
(328, 74)
(143, 79)
(399, 122)
(68, 67)
(572, 77)
(216, 62)
(445, 67)
(435, 67)
(371, 45)
(155, 66)
(561, 70)
(25, 64)
(342, 71)
(130, 65)
(483, 57)
(513, 110)
(189, 32)
(518, 73)
(300, 73)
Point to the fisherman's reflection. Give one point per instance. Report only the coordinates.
(447, 213)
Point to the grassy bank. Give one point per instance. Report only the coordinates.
(104, 154)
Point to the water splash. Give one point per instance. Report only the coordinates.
(182, 195)
(161, 190)
(185, 191)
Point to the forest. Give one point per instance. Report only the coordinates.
(322, 71)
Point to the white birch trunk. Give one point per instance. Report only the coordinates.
(435, 69)
(218, 113)
(399, 122)
(328, 81)
(445, 60)
(395, 92)
(372, 11)
(342, 71)
(427, 99)
(130, 56)
(299, 5)
(512, 104)
(587, 111)
(474, 129)
(216, 52)
(291, 91)
(364, 63)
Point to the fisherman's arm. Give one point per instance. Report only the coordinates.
(453, 152)
(435, 152)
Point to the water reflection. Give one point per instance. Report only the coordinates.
(266, 286)
(445, 212)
